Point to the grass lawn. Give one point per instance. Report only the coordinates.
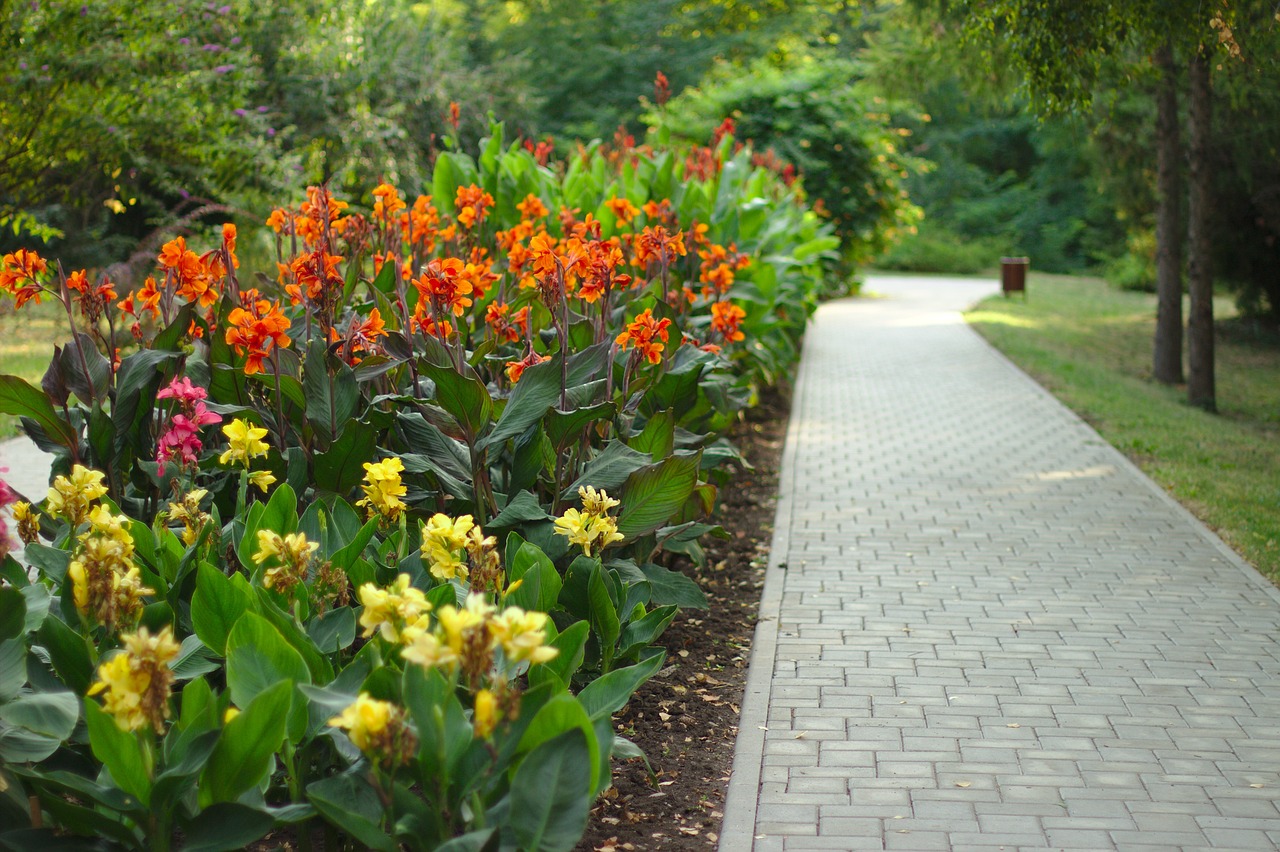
(27, 339)
(1090, 345)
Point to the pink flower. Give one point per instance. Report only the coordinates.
(183, 391)
(6, 497)
(181, 440)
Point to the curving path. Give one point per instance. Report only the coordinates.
(982, 628)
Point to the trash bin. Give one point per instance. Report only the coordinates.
(1013, 275)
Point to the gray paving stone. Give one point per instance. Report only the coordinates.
(978, 591)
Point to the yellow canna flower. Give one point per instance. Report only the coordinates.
(522, 635)
(604, 531)
(423, 647)
(596, 502)
(190, 515)
(389, 611)
(70, 496)
(485, 718)
(292, 556)
(244, 442)
(114, 527)
(378, 729)
(28, 521)
(591, 529)
(383, 489)
(445, 543)
(576, 527)
(231, 713)
(137, 681)
(364, 720)
(262, 480)
(79, 586)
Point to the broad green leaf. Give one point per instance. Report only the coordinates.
(53, 714)
(443, 730)
(86, 370)
(603, 615)
(331, 390)
(333, 631)
(609, 470)
(539, 580)
(67, 652)
(564, 427)
(137, 381)
(13, 613)
(472, 841)
(349, 803)
(120, 752)
(571, 643)
(539, 389)
(610, 692)
(653, 494)
(52, 561)
(225, 826)
(259, 658)
(293, 632)
(658, 437)
(13, 668)
(246, 749)
(673, 587)
(280, 515)
(464, 397)
(37, 599)
(520, 509)
(217, 605)
(551, 794)
(188, 752)
(643, 631)
(194, 659)
(19, 745)
(341, 467)
(354, 546)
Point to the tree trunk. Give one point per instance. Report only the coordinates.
(1167, 362)
(1200, 380)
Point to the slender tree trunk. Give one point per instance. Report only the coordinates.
(1200, 379)
(1167, 361)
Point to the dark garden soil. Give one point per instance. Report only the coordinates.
(686, 717)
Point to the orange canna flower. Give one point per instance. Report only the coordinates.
(497, 317)
(313, 273)
(443, 283)
(229, 243)
(623, 210)
(388, 202)
(656, 243)
(278, 220)
(532, 208)
(515, 369)
(646, 335)
(725, 319)
(472, 203)
(480, 277)
(255, 327)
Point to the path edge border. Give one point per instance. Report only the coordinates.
(737, 831)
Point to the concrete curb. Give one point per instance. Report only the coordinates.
(737, 832)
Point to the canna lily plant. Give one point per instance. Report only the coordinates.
(376, 546)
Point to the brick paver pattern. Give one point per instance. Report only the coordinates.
(994, 632)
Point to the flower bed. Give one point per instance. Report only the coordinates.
(380, 544)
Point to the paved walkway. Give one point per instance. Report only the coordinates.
(982, 628)
(27, 467)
